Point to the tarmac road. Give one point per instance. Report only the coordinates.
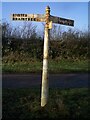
(72, 80)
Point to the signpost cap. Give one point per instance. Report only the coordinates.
(48, 7)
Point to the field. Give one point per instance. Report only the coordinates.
(64, 104)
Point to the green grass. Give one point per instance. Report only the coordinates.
(59, 66)
(68, 66)
(24, 104)
(20, 67)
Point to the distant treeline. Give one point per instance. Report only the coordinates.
(27, 42)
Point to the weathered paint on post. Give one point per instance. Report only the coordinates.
(45, 82)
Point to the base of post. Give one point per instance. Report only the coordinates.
(43, 102)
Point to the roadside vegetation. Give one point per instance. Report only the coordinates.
(62, 66)
(22, 49)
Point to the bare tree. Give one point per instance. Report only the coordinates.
(27, 30)
(55, 33)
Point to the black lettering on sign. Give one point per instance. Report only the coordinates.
(25, 18)
(25, 15)
(14, 18)
(34, 19)
(18, 15)
(19, 19)
(37, 19)
(28, 19)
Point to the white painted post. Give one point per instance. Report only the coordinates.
(45, 84)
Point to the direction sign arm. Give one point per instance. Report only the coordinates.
(28, 17)
(63, 21)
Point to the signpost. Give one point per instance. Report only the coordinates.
(48, 19)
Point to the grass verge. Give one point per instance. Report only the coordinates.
(24, 104)
(60, 66)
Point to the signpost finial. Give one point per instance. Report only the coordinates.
(48, 9)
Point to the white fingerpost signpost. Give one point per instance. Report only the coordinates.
(45, 85)
(48, 19)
